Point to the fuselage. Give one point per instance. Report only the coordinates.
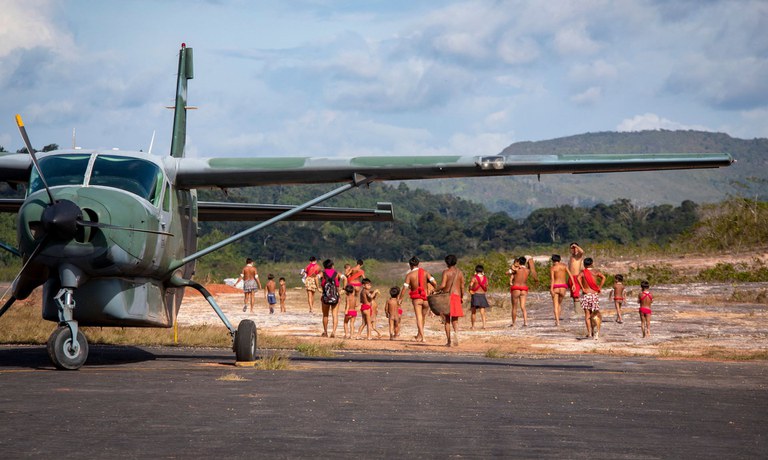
(119, 274)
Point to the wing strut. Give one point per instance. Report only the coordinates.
(358, 181)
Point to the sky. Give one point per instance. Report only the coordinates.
(388, 77)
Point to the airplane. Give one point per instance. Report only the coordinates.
(111, 236)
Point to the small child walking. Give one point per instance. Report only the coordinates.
(617, 294)
(281, 293)
(393, 313)
(350, 312)
(645, 299)
(366, 310)
(270, 290)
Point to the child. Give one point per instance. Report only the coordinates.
(590, 299)
(270, 290)
(617, 294)
(645, 299)
(374, 307)
(350, 313)
(366, 297)
(282, 294)
(394, 312)
(478, 286)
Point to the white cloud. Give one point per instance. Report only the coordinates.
(28, 25)
(575, 39)
(590, 96)
(651, 121)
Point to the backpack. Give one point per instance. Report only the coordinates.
(330, 290)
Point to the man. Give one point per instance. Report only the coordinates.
(416, 283)
(453, 282)
(575, 266)
(590, 300)
(558, 277)
(518, 289)
(310, 282)
(251, 283)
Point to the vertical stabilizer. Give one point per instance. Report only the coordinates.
(180, 112)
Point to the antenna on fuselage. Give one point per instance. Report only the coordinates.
(152, 142)
(74, 144)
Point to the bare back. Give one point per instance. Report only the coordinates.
(558, 273)
(520, 277)
(249, 273)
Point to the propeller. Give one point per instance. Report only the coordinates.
(31, 151)
(32, 256)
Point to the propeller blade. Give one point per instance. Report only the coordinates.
(10, 249)
(86, 223)
(31, 151)
(32, 256)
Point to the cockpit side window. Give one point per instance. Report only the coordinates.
(60, 170)
(130, 174)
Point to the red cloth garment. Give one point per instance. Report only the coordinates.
(575, 287)
(482, 283)
(456, 310)
(420, 292)
(312, 269)
(590, 280)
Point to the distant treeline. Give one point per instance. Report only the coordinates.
(430, 226)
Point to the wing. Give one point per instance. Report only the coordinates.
(225, 211)
(15, 167)
(243, 172)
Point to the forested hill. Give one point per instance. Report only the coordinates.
(519, 196)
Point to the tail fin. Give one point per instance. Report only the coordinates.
(180, 113)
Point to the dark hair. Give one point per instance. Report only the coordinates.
(359, 261)
(365, 280)
(450, 260)
(588, 262)
(349, 289)
(281, 279)
(270, 276)
(521, 260)
(414, 262)
(248, 260)
(312, 259)
(619, 277)
(645, 284)
(394, 291)
(573, 244)
(328, 263)
(556, 258)
(479, 269)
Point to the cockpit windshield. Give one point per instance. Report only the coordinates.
(137, 176)
(60, 170)
(140, 177)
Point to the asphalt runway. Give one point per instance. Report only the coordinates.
(180, 403)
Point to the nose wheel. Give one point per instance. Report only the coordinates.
(64, 353)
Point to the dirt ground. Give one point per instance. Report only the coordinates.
(717, 320)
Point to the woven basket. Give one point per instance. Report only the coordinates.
(440, 303)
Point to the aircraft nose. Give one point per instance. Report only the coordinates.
(60, 219)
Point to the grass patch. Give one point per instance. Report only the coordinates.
(276, 342)
(273, 362)
(231, 377)
(729, 355)
(665, 352)
(495, 353)
(315, 351)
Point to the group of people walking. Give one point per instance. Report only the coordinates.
(349, 289)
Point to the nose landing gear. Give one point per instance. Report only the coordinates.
(67, 346)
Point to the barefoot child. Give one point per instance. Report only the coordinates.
(645, 299)
(478, 286)
(350, 313)
(590, 300)
(393, 313)
(281, 293)
(617, 294)
(366, 297)
(270, 290)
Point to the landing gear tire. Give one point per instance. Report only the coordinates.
(62, 353)
(245, 341)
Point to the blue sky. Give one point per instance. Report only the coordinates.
(350, 78)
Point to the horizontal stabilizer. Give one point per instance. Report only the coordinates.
(223, 211)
